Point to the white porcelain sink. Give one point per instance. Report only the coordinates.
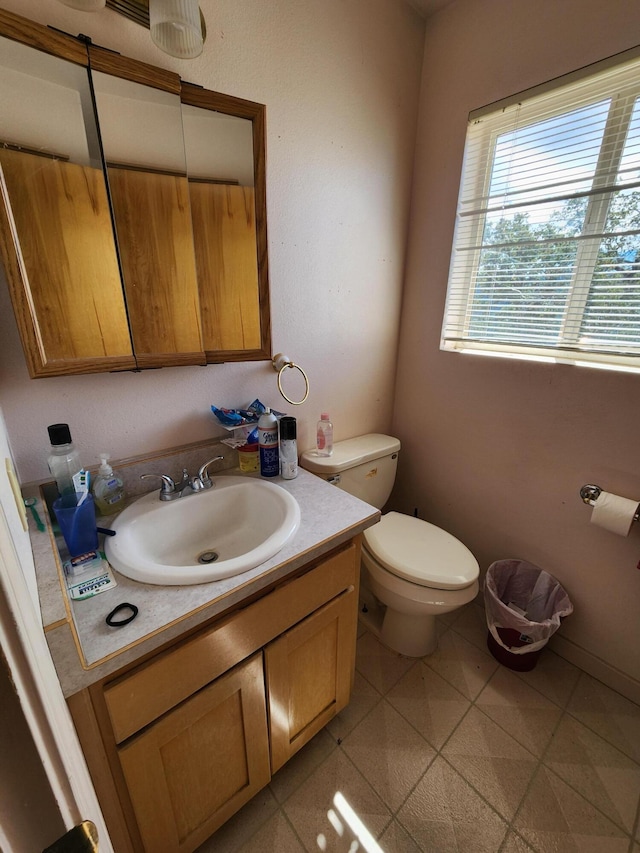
(203, 536)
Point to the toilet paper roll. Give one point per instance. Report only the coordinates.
(614, 513)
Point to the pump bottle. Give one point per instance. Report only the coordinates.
(108, 489)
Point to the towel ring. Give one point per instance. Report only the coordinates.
(280, 363)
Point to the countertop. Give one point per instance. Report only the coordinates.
(85, 649)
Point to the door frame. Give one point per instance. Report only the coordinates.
(36, 683)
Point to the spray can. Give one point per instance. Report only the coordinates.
(288, 448)
(268, 443)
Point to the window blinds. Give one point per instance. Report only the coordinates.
(546, 255)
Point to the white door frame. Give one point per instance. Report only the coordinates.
(43, 704)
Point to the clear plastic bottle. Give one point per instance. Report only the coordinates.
(268, 443)
(108, 489)
(324, 436)
(288, 448)
(63, 460)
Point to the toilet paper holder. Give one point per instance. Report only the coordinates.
(591, 493)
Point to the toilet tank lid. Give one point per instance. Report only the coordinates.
(350, 452)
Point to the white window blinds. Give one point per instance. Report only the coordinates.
(546, 255)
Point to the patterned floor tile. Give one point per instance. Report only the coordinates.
(471, 623)
(429, 703)
(600, 772)
(289, 778)
(276, 836)
(515, 844)
(445, 815)
(462, 664)
(396, 839)
(243, 825)
(554, 817)
(525, 714)
(607, 713)
(492, 761)
(553, 676)
(308, 809)
(389, 753)
(381, 667)
(363, 697)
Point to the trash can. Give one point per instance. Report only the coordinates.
(525, 606)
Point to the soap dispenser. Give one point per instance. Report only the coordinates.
(108, 489)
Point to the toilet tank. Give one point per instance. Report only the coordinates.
(364, 466)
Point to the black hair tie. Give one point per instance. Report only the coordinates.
(118, 624)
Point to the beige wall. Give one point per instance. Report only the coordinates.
(340, 79)
(496, 450)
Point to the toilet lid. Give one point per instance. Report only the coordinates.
(421, 552)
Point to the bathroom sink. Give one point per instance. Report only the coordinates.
(203, 536)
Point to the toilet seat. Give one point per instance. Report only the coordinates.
(420, 552)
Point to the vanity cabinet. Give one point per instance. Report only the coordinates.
(193, 768)
(309, 676)
(178, 743)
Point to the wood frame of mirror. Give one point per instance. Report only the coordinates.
(89, 56)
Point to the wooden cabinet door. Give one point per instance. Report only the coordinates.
(224, 236)
(58, 248)
(191, 770)
(153, 225)
(309, 675)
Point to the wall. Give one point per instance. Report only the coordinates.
(496, 450)
(340, 79)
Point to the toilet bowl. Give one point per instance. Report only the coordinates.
(417, 571)
(411, 570)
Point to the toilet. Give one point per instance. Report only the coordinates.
(411, 571)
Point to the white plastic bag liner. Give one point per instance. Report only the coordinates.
(534, 592)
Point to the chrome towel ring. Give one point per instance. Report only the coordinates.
(280, 363)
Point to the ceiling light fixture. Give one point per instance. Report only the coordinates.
(175, 27)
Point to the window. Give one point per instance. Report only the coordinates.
(546, 255)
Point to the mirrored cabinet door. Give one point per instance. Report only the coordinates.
(225, 156)
(133, 229)
(56, 236)
(139, 115)
(219, 152)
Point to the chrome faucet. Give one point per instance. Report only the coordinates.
(170, 490)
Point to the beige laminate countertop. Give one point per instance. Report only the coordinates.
(85, 649)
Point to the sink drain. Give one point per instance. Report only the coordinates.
(207, 557)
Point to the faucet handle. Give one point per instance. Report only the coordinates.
(203, 473)
(168, 487)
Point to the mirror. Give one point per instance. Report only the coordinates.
(57, 238)
(225, 155)
(176, 171)
(187, 190)
(149, 191)
(219, 153)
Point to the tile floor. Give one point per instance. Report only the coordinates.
(456, 753)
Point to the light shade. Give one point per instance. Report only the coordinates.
(85, 5)
(175, 27)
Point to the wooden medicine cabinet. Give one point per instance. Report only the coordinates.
(133, 215)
